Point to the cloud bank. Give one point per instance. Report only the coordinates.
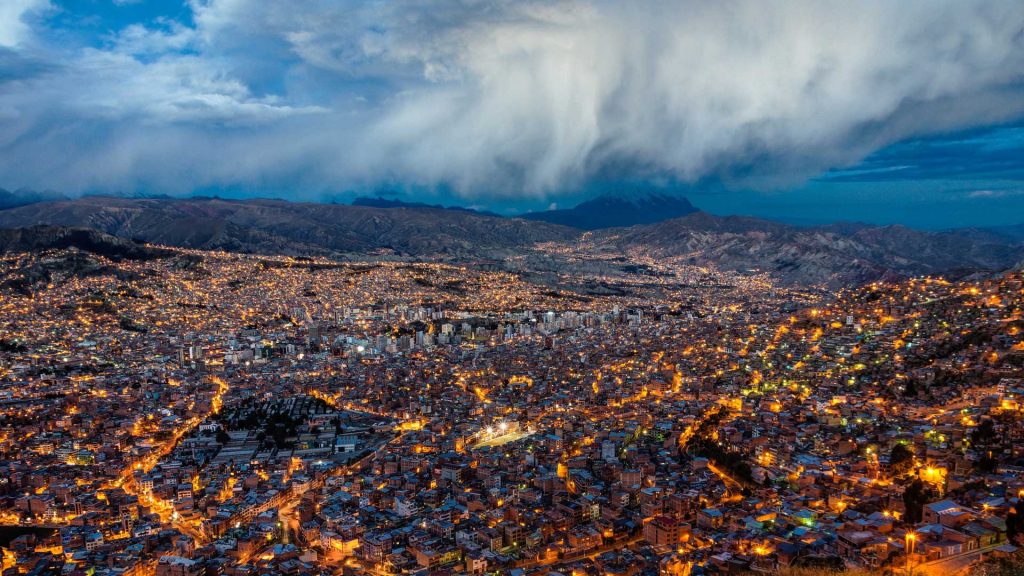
(493, 98)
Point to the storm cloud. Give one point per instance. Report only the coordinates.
(500, 98)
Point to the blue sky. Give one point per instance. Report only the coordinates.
(909, 112)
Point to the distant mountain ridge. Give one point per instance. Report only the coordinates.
(834, 255)
(379, 202)
(294, 228)
(1015, 232)
(610, 211)
(24, 197)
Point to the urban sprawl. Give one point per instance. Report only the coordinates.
(219, 414)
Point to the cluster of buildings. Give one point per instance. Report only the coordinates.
(240, 415)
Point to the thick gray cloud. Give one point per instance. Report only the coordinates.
(501, 97)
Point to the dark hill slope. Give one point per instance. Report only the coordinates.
(833, 255)
(280, 227)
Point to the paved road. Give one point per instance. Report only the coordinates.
(957, 564)
(951, 566)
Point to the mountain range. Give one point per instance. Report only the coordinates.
(379, 202)
(295, 228)
(24, 197)
(608, 211)
(834, 255)
(605, 211)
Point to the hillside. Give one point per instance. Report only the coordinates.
(280, 227)
(39, 238)
(836, 255)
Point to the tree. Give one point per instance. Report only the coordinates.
(1014, 523)
(915, 497)
(987, 463)
(910, 389)
(985, 433)
(743, 471)
(901, 459)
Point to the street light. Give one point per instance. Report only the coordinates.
(911, 538)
